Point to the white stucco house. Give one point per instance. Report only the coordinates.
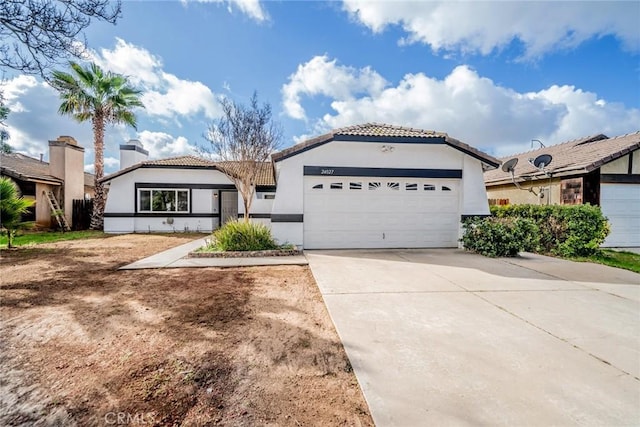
(364, 186)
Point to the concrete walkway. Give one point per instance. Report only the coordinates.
(176, 258)
(444, 337)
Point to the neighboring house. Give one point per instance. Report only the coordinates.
(63, 175)
(365, 186)
(598, 170)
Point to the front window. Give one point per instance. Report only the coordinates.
(163, 200)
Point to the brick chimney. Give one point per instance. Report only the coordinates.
(66, 161)
(131, 153)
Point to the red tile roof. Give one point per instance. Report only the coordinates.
(574, 157)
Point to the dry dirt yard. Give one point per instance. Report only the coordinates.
(85, 344)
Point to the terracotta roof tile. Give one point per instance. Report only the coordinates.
(265, 172)
(181, 161)
(384, 130)
(569, 158)
(265, 176)
(381, 129)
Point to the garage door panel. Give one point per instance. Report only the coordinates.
(620, 203)
(380, 213)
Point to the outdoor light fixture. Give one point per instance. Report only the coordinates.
(387, 149)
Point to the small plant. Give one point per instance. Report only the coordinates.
(12, 207)
(499, 237)
(243, 236)
(567, 231)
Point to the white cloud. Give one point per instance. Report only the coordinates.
(160, 144)
(164, 94)
(251, 8)
(483, 27)
(181, 98)
(471, 108)
(322, 76)
(33, 119)
(110, 163)
(142, 67)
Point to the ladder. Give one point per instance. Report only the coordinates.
(56, 211)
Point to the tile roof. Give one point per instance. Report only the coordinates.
(381, 129)
(189, 161)
(26, 168)
(89, 180)
(369, 130)
(265, 176)
(574, 157)
(265, 171)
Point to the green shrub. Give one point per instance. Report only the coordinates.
(576, 230)
(498, 237)
(243, 236)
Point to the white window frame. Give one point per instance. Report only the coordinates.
(151, 190)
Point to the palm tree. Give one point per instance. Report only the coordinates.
(12, 207)
(90, 93)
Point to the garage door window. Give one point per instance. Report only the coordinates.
(445, 188)
(429, 187)
(317, 187)
(411, 187)
(374, 185)
(336, 186)
(393, 185)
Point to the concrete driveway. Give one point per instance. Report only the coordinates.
(445, 337)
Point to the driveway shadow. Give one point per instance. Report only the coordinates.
(524, 266)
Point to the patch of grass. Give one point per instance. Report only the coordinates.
(50, 237)
(620, 259)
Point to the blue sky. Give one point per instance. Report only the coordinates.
(493, 74)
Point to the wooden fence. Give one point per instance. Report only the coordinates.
(82, 209)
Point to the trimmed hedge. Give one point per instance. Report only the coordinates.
(499, 237)
(568, 231)
(243, 236)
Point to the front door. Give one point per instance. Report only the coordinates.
(228, 206)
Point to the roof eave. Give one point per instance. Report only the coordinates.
(23, 177)
(302, 147)
(152, 166)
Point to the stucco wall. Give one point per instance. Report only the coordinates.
(618, 166)
(66, 161)
(43, 211)
(122, 195)
(519, 197)
(289, 172)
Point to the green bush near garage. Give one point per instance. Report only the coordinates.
(243, 236)
(499, 237)
(567, 231)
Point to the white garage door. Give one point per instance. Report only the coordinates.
(353, 212)
(620, 203)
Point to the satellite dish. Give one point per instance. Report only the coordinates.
(542, 160)
(510, 165)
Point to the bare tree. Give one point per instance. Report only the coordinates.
(35, 35)
(243, 139)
